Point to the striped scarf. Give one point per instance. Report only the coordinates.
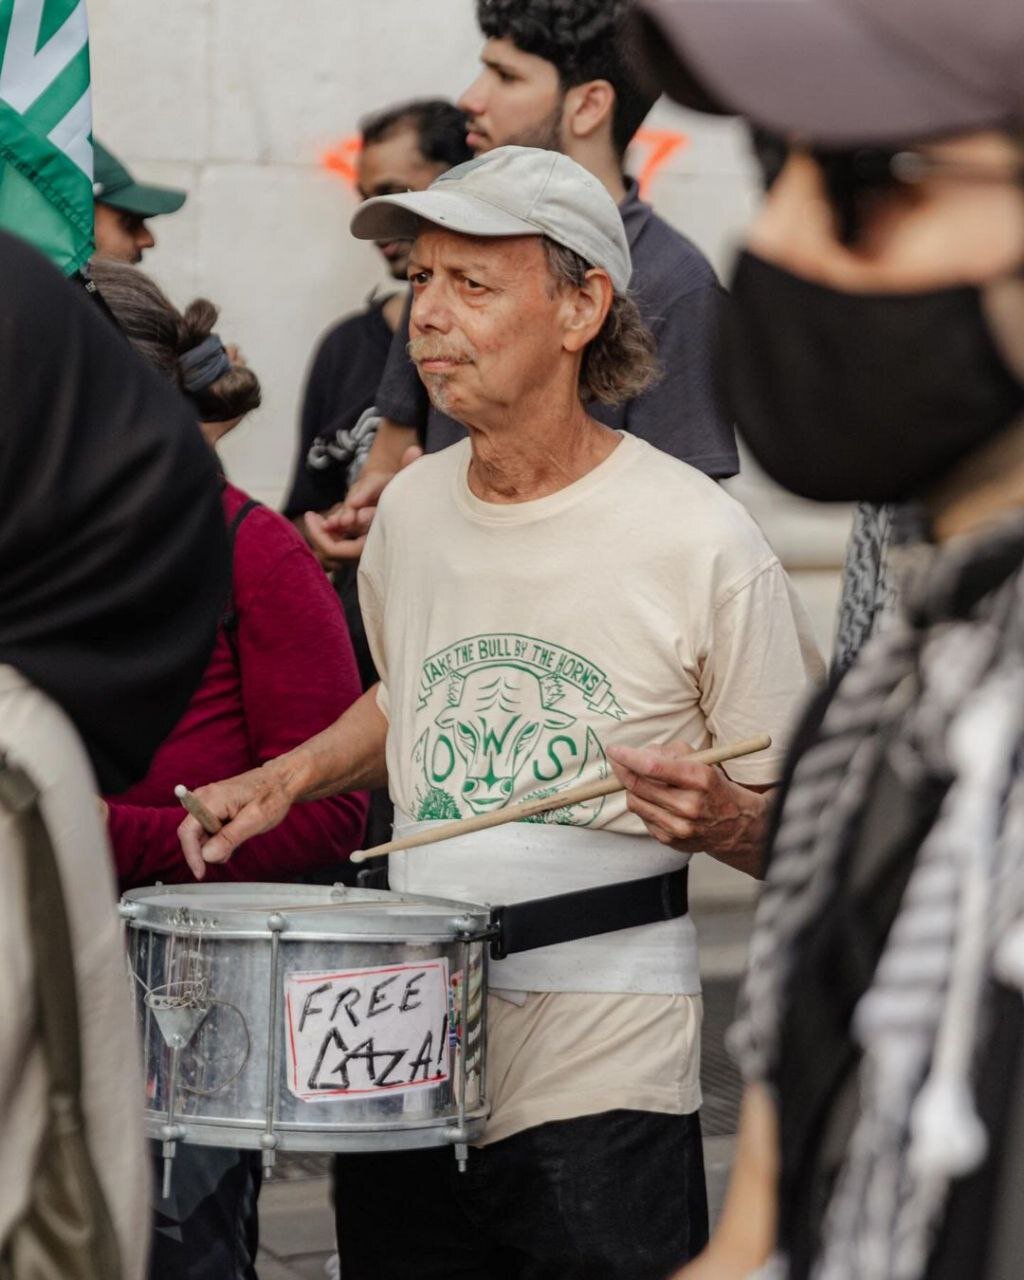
(867, 589)
(940, 689)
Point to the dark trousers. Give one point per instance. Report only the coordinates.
(616, 1196)
(207, 1228)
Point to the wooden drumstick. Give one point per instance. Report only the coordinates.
(210, 823)
(560, 800)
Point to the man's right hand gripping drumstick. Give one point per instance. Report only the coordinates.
(347, 756)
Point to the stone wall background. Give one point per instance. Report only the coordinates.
(240, 100)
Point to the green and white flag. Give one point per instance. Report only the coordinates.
(46, 128)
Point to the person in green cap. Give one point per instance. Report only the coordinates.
(122, 206)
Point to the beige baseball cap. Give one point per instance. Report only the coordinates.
(511, 191)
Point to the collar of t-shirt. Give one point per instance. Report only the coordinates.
(606, 473)
(636, 213)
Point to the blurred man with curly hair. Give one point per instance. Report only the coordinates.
(555, 75)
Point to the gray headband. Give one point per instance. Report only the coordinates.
(202, 365)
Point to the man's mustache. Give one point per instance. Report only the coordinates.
(420, 349)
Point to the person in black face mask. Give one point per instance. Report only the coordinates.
(876, 351)
(863, 375)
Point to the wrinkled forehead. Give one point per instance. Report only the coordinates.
(510, 256)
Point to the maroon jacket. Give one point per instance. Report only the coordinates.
(293, 675)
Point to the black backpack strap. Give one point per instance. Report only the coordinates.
(229, 618)
(541, 922)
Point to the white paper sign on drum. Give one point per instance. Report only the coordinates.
(380, 1030)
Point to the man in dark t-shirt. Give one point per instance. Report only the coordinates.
(340, 387)
(404, 148)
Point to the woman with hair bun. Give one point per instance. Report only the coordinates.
(181, 346)
(214, 378)
(282, 669)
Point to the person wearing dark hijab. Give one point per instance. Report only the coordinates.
(875, 353)
(113, 571)
(113, 555)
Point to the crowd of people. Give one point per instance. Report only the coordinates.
(504, 567)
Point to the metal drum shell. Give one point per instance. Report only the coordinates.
(243, 939)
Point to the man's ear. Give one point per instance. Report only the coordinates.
(588, 108)
(587, 308)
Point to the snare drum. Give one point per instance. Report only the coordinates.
(308, 1017)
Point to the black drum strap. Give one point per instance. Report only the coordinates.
(565, 917)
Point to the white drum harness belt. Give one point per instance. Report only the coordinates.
(629, 887)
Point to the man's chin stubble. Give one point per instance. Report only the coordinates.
(545, 135)
(438, 392)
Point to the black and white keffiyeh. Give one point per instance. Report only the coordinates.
(947, 681)
(867, 590)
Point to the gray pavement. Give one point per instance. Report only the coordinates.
(296, 1229)
(296, 1222)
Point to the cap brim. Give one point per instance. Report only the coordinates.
(398, 217)
(145, 200)
(812, 68)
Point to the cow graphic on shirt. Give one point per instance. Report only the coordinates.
(506, 717)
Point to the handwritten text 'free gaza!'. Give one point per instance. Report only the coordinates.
(367, 1030)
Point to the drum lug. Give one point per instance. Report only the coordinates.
(170, 1133)
(467, 929)
(268, 1144)
(459, 1139)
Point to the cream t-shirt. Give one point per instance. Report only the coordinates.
(516, 643)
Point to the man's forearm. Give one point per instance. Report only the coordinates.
(389, 446)
(346, 756)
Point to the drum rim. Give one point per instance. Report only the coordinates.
(440, 1130)
(386, 912)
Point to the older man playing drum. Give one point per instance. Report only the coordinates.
(537, 596)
